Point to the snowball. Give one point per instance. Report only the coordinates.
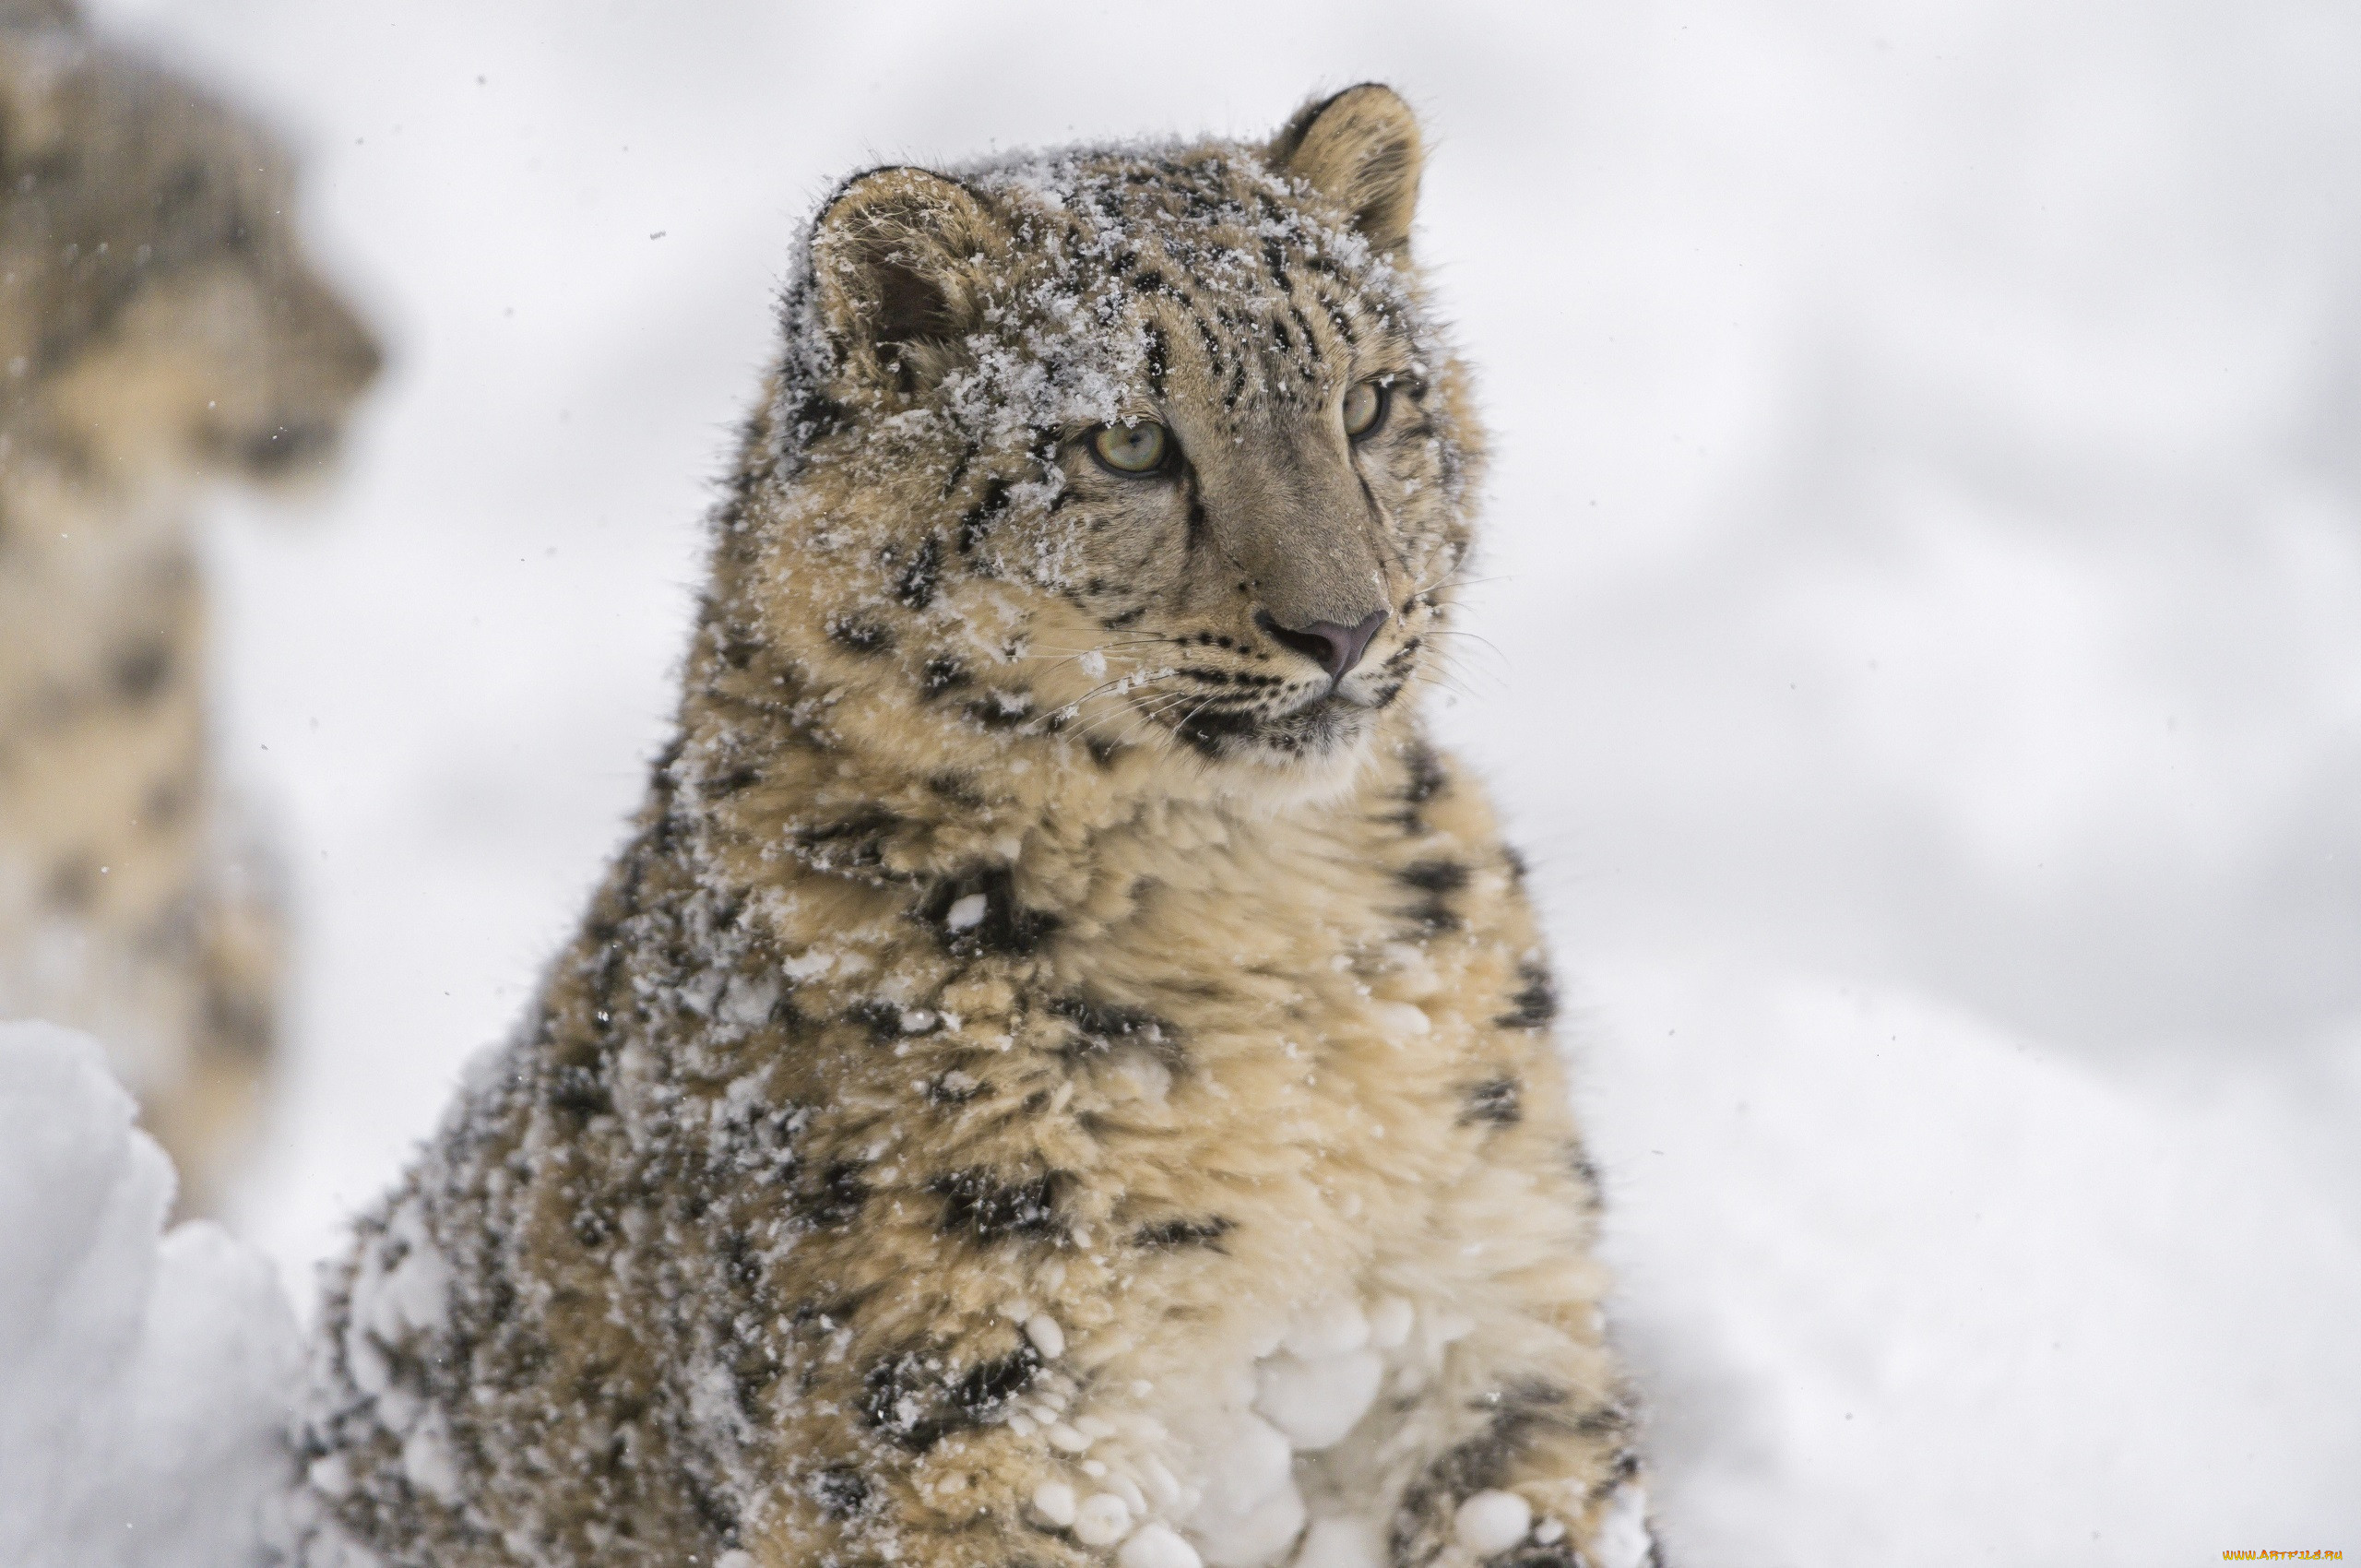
(968, 912)
(1492, 1521)
(1330, 1328)
(1251, 1462)
(145, 1378)
(1253, 1538)
(1390, 1323)
(1342, 1543)
(1161, 1480)
(1067, 1440)
(1054, 1501)
(1047, 1337)
(1102, 1520)
(1621, 1538)
(1316, 1402)
(1155, 1546)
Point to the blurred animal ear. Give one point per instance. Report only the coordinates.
(899, 258)
(1360, 150)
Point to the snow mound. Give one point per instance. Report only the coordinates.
(145, 1378)
(1907, 1288)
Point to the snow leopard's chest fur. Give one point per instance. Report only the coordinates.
(1058, 1076)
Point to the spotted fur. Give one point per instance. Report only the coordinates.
(1019, 932)
(159, 327)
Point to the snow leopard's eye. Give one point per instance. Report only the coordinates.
(1132, 450)
(1364, 408)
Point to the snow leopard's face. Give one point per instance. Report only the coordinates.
(160, 317)
(1146, 451)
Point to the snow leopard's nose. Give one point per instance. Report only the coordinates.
(1333, 648)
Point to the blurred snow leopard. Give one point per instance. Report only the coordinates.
(161, 329)
(1060, 1074)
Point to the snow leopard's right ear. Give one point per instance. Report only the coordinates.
(899, 258)
(1362, 150)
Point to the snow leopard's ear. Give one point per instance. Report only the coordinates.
(899, 258)
(1361, 149)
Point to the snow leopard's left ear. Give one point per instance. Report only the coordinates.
(1362, 150)
(900, 259)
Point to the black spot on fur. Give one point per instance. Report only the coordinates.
(1007, 929)
(981, 517)
(1535, 1005)
(577, 1091)
(1000, 712)
(913, 1398)
(841, 1491)
(1434, 876)
(1426, 776)
(141, 672)
(732, 782)
(835, 1199)
(957, 788)
(1438, 880)
(1159, 359)
(861, 635)
(740, 1265)
(73, 884)
(916, 585)
(1209, 729)
(1498, 1100)
(1604, 1421)
(1205, 1232)
(815, 417)
(980, 1205)
(880, 1020)
(1103, 750)
(1586, 1169)
(989, 1385)
(853, 842)
(943, 675)
(1100, 1025)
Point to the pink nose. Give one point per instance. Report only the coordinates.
(1333, 648)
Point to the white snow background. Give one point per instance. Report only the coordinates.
(1923, 661)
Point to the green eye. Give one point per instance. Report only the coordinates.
(1364, 407)
(1132, 449)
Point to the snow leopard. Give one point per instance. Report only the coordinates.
(1063, 1071)
(162, 329)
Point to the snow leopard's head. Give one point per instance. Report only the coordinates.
(160, 319)
(1148, 453)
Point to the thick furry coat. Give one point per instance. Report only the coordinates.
(1062, 1069)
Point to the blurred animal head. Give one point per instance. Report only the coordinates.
(1151, 450)
(158, 320)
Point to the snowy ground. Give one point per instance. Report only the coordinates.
(143, 1380)
(1924, 651)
